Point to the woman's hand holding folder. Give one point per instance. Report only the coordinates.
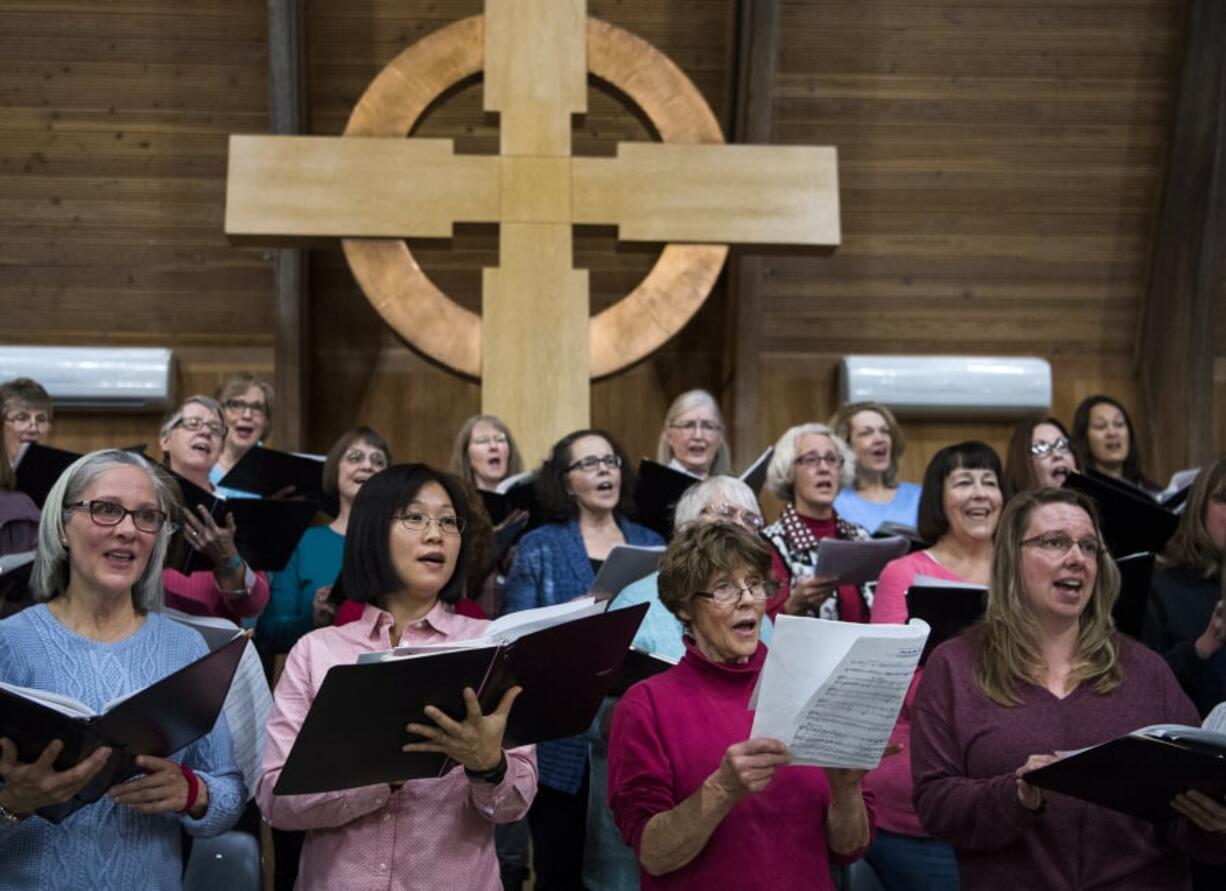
(476, 742)
(37, 784)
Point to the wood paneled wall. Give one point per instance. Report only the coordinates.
(114, 120)
(1000, 165)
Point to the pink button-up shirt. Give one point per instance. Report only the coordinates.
(428, 834)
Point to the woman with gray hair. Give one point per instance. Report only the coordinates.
(809, 467)
(97, 636)
(692, 440)
(191, 440)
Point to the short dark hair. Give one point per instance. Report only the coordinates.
(551, 491)
(332, 464)
(971, 455)
(1080, 438)
(1019, 468)
(367, 573)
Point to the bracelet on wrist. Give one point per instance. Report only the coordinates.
(193, 787)
(493, 776)
(234, 564)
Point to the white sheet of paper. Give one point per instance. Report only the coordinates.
(1215, 721)
(832, 691)
(857, 562)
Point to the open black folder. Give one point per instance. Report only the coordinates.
(660, 487)
(1140, 773)
(948, 607)
(265, 471)
(39, 466)
(1132, 520)
(353, 734)
(268, 530)
(159, 720)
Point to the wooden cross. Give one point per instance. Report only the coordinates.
(535, 343)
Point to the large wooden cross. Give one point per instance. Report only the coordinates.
(535, 360)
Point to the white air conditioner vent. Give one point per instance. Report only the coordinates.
(949, 386)
(114, 378)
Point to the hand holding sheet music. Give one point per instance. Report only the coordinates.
(831, 691)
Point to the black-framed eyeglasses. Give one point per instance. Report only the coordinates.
(108, 513)
(729, 513)
(416, 521)
(593, 463)
(195, 425)
(241, 405)
(729, 593)
(1043, 448)
(813, 459)
(1058, 544)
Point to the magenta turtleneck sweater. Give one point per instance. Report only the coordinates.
(669, 734)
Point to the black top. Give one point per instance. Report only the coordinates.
(1180, 605)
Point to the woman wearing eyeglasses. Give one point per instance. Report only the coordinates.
(585, 487)
(300, 600)
(959, 508)
(692, 440)
(608, 864)
(1046, 672)
(191, 439)
(1039, 455)
(27, 410)
(248, 402)
(809, 466)
(701, 803)
(98, 635)
(405, 557)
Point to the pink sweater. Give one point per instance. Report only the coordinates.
(199, 595)
(669, 734)
(890, 783)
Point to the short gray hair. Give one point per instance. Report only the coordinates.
(781, 474)
(50, 574)
(176, 414)
(721, 488)
(688, 401)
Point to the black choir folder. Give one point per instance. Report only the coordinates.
(159, 720)
(1139, 774)
(660, 487)
(1132, 520)
(268, 529)
(266, 472)
(948, 607)
(353, 734)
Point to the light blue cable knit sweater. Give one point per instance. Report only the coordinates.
(104, 845)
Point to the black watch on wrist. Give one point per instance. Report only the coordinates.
(493, 776)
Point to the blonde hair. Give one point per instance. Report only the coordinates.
(840, 422)
(1011, 652)
(686, 402)
(781, 472)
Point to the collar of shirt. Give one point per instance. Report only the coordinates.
(441, 622)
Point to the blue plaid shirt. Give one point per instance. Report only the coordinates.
(552, 566)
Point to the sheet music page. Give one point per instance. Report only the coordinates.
(832, 691)
(1215, 721)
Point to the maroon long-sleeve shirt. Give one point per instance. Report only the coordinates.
(669, 734)
(965, 749)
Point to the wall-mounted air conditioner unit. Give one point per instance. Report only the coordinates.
(949, 386)
(114, 378)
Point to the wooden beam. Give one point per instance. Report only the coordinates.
(287, 115)
(1175, 344)
(757, 50)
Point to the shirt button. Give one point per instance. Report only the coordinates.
(382, 867)
(386, 817)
